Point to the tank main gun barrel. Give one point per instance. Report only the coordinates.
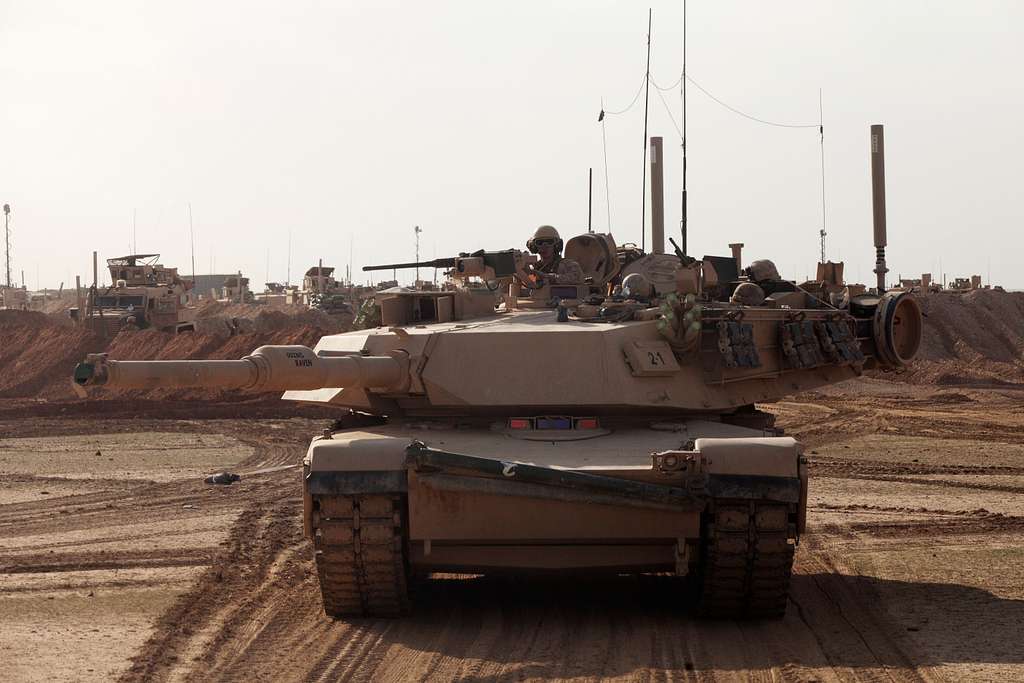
(435, 263)
(268, 368)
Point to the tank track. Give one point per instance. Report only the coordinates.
(360, 554)
(747, 561)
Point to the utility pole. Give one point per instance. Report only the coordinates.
(7, 233)
(417, 231)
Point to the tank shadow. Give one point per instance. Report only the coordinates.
(561, 627)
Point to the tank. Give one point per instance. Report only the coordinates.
(143, 294)
(491, 428)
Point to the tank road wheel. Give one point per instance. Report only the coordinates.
(360, 554)
(746, 560)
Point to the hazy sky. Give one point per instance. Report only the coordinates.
(351, 123)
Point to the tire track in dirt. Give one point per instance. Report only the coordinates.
(823, 467)
(122, 560)
(939, 523)
(254, 613)
(481, 630)
(999, 488)
(856, 632)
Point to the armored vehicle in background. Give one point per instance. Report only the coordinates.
(143, 294)
(337, 303)
(321, 291)
(14, 298)
(236, 290)
(608, 426)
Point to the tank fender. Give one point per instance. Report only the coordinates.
(351, 463)
(757, 468)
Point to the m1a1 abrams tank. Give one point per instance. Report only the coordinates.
(486, 428)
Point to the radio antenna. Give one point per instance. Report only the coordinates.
(821, 132)
(682, 94)
(647, 93)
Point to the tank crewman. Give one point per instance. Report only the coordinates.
(552, 268)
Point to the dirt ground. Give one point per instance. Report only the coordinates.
(117, 561)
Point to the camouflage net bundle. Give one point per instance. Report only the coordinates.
(368, 315)
(680, 322)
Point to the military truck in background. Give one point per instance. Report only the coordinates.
(14, 298)
(321, 291)
(143, 294)
(236, 290)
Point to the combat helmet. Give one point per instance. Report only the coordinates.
(544, 232)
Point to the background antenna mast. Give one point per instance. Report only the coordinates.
(590, 201)
(821, 132)
(417, 231)
(7, 245)
(192, 240)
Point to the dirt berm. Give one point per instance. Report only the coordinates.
(38, 352)
(975, 338)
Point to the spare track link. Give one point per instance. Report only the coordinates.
(360, 554)
(747, 561)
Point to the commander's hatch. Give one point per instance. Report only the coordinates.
(595, 252)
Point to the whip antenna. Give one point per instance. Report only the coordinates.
(647, 93)
(682, 94)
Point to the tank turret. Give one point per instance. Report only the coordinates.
(671, 355)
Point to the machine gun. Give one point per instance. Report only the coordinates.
(487, 265)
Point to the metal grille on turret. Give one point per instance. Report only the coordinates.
(736, 344)
(807, 344)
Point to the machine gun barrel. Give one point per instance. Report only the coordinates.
(478, 263)
(435, 263)
(268, 368)
(679, 252)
